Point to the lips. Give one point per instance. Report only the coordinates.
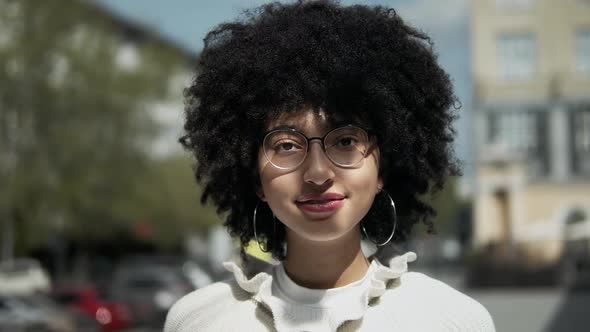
(320, 205)
(319, 198)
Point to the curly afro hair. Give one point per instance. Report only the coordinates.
(361, 63)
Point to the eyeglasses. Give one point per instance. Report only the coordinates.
(287, 148)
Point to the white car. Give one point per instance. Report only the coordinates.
(23, 276)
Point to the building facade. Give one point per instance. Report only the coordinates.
(531, 76)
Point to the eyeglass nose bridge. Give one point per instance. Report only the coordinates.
(322, 144)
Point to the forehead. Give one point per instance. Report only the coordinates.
(306, 118)
(311, 119)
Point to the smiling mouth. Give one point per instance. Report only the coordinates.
(321, 206)
(318, 201)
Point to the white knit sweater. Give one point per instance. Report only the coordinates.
(394, 300)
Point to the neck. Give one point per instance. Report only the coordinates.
(325, 264)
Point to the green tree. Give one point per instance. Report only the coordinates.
(74, 123)
(446, 203)
(168, 200)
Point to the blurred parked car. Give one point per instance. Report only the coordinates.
(575, 260)
(23, 276)
(86, 298)
(14, 318)
(149, 289)
(38, 313)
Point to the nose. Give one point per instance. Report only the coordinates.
(318, 168)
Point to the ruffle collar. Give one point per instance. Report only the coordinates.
(290, 317)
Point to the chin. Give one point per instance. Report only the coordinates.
(322, 231)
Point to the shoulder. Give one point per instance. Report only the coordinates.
(430, 286)
(442, 304)
(203, 307)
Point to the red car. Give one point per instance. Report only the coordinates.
(111, 315)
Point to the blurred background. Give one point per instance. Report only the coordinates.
(100, 223)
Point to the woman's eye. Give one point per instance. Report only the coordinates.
(347, 141)
(286, 146)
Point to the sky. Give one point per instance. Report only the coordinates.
(186, 22)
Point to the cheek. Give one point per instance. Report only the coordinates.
(261, 162)
(364, 186)
(280, 194)
(280, 187)
(367, 176)
(276, 185)
(264, 170)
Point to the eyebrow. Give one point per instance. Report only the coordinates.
(334, 124)
(283, 127)
(341, 123)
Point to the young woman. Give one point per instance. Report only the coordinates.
(315, 125)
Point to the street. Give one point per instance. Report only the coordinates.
(529, 309)
(536, 310)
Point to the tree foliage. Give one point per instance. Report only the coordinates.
(75, 132)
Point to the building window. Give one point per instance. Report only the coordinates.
(583, 51)
(514, 3)
(520, 133)
(575, 216)
(516, 131)
(516, 56)
(580, 125)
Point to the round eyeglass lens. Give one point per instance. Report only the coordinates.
(285, 149)
(346, 146)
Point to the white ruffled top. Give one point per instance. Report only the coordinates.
(296, 308)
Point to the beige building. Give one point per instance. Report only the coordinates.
(531, 75)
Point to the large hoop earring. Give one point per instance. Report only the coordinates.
(394, 224)
(274, 229)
